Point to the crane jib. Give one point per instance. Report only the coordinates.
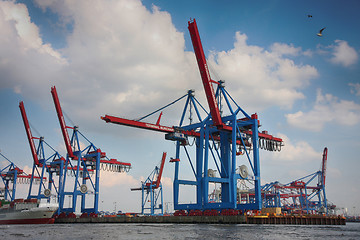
(205, 75)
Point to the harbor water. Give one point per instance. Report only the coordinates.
(178, 231)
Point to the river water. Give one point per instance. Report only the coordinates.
(178, 231)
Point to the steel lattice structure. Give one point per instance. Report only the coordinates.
(303, 196)
(83, 163)
(224, 141)
(151, 191)
(10, 176)
(46, 167)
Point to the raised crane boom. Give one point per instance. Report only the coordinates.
(205, 75)
(151, 182)
(323, 169)
(29, 134)
(62, 122)
(157, 183)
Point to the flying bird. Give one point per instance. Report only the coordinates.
(320, 32)
(309, 16)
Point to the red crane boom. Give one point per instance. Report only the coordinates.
(150, 181)
(157, 184)
(323, 169)
(209, 92)
(205, 75)
(29, 134)
(62, 122)
(137, 124)
(166, 129)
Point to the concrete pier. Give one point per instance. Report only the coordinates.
(237, 219)
(297, 220)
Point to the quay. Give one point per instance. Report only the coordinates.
(236, 219)
(297, 220)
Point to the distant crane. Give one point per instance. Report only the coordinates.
(218, 139)
(89, 160)
(152, 194)
(10, 176)
(300, 196)
(51, 166)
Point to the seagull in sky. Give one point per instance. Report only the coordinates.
(320, 32)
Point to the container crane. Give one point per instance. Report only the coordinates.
(52, 165)
(228, 130)
(10, 176)
(89, 160)
(151, 188)
(300, 196)
(219, 140)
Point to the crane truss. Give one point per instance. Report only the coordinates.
(11, 175)
(151, 191)
(223, 148)
(300, 196)
(83, 162)
(45, 167)
(219, 140)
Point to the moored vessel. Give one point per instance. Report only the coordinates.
(28, 211)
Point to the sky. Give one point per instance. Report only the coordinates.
(129, 57)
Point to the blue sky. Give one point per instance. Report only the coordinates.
(128, 58)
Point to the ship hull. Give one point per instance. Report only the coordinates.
(38, 215)
(29, 221)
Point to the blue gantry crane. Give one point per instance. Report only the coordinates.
(300, 196)
(11, 174)
(47, 168)
(225, 138)
(83, 162)
(151, 191)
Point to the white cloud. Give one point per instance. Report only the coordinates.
(27, 169)
(285, 49)
(113, 179)
(343, 54)
(327, 108)
(167, 182)
(26, 64)
(355, 88)
(130, 60)
(295, 152)
(262, 78)
(124, 60)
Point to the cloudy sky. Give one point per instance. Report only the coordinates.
(130, 57)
